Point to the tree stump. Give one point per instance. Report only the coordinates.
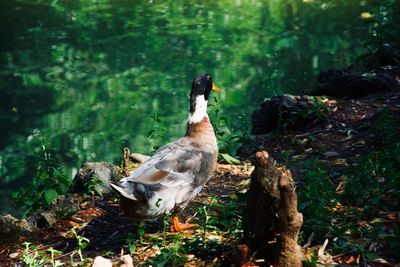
(273, 222)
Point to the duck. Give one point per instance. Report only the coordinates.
(177, 172)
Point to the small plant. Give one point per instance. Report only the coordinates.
(173, 254)
(351, 217)
(53, 261)
(310, 259)
(82, 243)
(317, 197)
(32, 256)
(135, 240)
(130, 241)
(220, 220)
(155, 134)
(210, 219)
(46, 186)
(95, 186)
(230, 138)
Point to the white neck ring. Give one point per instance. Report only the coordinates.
(200, 110)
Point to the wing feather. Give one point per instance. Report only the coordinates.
(172, 165)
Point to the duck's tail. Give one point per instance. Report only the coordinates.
(123, 191)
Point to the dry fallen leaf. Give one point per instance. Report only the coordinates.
(339, 163)
(324, 258)
(73, 224)
(350, 260)
(382, 262)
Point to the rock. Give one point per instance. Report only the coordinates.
(386, 57)
(288, 112)
(11, 228)
(38, 220)
(66, 204)
(60, 207)
(95, 177)
(345, 83)
(13, 255)
(50, 217)
(100, 261)
(127, 261)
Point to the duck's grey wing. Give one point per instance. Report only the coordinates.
(172, 165)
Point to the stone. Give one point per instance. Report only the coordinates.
(11, 228)
(13, 255)
(95, 177)
(346, 83)
(50, 217)
(100, 261)
(127, 261)
(288, 112)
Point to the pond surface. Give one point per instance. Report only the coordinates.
(83, 79)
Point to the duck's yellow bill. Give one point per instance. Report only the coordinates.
(215, 88)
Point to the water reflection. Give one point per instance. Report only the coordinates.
(94, 76)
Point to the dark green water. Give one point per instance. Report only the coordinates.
(86, 78)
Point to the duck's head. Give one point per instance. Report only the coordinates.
(201, 88)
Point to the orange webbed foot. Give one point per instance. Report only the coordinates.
(177, 226)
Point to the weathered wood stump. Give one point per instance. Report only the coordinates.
(273, 222)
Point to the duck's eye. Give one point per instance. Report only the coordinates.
(198, 83)
(208, 77)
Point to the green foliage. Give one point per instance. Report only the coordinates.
(316, 198)
(230, 136)
(311, 261)
(372, 187)
(48, 183)
(82, 243)
(307, 112)
(172, 255)
(32, 256)
(95, 186)
(229, 159)
(317, 108)
(375, 180)
(154, 139)
(384, 22)
(219, 220)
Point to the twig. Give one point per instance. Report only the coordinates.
(310, 133)
(51, 245)
(66, 254)
(309, 240)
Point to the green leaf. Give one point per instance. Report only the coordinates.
(141, 232)
(228, 158)
(50, 195)
(132, 249)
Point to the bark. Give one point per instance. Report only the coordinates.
(273, 222)
(290, 223)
